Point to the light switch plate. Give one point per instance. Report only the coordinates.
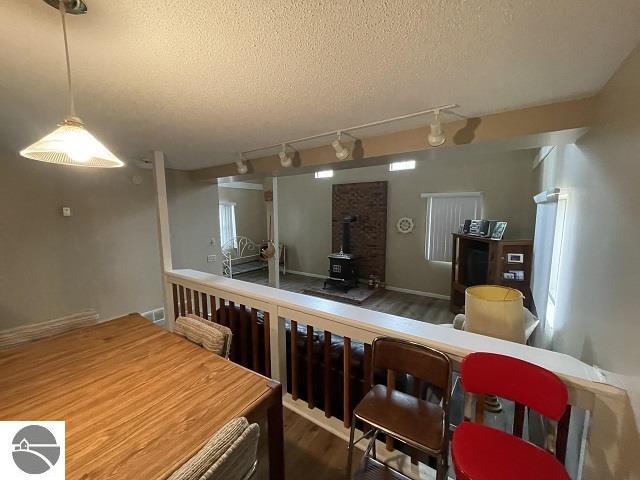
(66, 211)
(211, 258)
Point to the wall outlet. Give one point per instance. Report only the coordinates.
(211, 258)
(66, 211)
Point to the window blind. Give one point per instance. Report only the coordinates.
(227, 214)
(445, 213)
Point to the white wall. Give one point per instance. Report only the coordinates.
(597, 317)
(305, 211)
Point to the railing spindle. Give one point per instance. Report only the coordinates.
(267, 345)
(562, 435)
(233, 325)
(205, 309)
(244, 338)
(214, 309)
(196, 302)
(176, 306)
(368, 378)
(327, 373)
(182, 304)
(189, 304)
(255, 341)
(222, 318)
(518, 419)
(310, 401)
(346, 367)
(391, 385)
(294, 359)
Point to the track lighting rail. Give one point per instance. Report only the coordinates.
(435, 110)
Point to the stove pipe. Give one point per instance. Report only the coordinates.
(346, 238)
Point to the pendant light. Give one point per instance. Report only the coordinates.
(71, 143)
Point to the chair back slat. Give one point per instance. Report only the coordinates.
(517, 380)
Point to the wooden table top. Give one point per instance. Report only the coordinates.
(137, 400)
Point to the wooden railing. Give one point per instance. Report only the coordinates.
(288, 336)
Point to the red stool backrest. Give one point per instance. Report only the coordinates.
(517, 380)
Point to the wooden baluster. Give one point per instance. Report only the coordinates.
(310, 401)
(562, 435)
(391, 385)
(518, 419)
(346, 384)
(294, 359)
(176, 305)
(327, 373)
(255, 341)
(244, 338)
(232, 319)
(189, 305)
(222, 318)
(480, 408)
(214, 309)
(368, 377)
(267, 345)
(196, 302)
(182, 304)
(205, 309)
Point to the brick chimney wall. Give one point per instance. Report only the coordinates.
(368, 202)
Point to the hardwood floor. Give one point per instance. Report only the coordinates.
(425, 309)
(311, 453)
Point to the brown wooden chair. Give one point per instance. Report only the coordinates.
(420, 424)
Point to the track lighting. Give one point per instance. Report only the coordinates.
(436, 135)
(342, 153)
(241, 163)
(285, 159)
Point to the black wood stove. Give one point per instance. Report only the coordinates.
(342, 265)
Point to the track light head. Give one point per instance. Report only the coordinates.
(342, 153)
(241, 163)
(436, 135)
(286, 160)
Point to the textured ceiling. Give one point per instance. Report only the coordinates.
(203, 79)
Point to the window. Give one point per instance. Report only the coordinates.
(324, 174)
(227, 225)
(404, 165)
(445, 213)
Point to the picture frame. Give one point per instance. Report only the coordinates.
(498, 230)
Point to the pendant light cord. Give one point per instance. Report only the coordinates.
(72, 107)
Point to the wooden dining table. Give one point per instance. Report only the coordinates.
(138, 401)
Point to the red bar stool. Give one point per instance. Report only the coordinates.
(480, 452)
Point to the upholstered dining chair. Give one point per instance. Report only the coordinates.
(13, 337)
(231, 454)
(421, 424)
(213, 337)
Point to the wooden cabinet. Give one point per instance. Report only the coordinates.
(478, 261)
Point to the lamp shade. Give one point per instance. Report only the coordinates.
(72, 144)
(495, 311)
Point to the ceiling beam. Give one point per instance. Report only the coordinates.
(514, 129)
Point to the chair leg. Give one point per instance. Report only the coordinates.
(351, 447)
(443, 467)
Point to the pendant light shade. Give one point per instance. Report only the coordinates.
(72, 144)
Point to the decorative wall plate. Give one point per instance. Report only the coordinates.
(405, 225)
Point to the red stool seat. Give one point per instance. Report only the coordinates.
(483, 453)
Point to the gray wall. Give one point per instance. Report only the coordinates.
(105, 256)
(305, 211)
(194, 224)
(598, 303)
(251, 213)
